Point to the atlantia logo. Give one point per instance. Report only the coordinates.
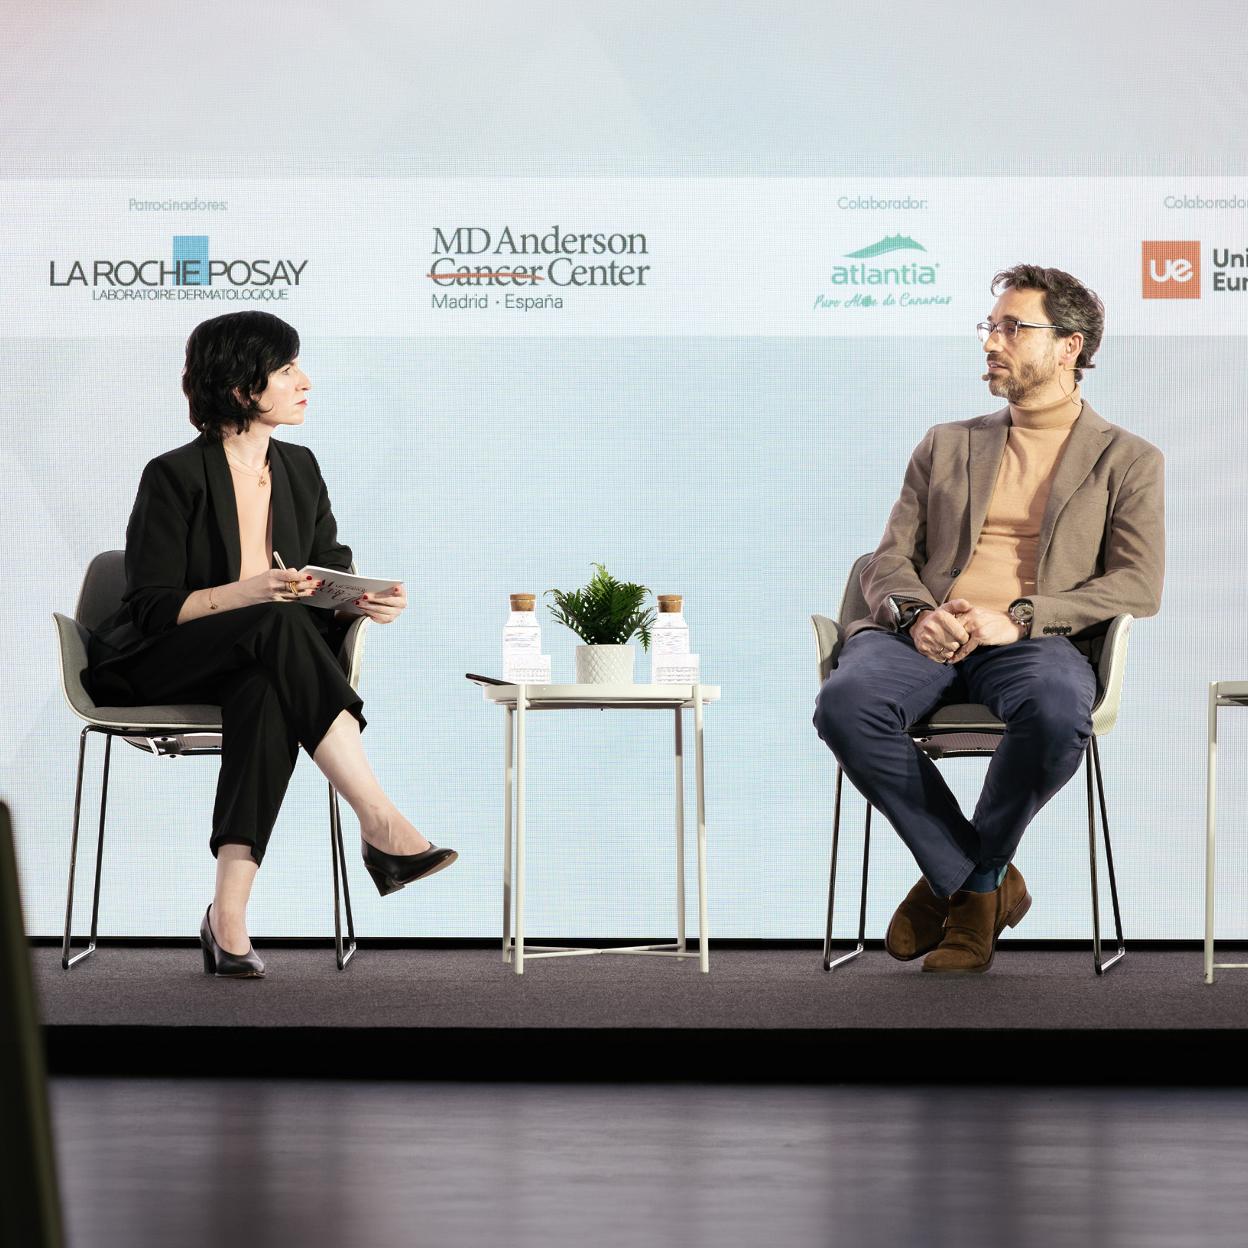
(903, 273)
(189, 273)
(890, 242)
(1171, 270)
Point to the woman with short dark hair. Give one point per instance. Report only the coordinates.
(206, 617)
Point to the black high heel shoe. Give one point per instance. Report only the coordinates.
(392, 872)
(221, 962)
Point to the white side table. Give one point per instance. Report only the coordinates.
(519, 701)
(1221, 693)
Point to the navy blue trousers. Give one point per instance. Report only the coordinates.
(1042, 689)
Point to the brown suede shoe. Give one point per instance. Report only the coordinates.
(918, 924)
(975, 921)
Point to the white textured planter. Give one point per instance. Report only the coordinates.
(604, 665)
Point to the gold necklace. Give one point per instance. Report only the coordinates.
(251, 472)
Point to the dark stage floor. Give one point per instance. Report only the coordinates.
(151, 1010)
(275, 1163)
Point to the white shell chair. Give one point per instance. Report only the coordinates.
(163, 732)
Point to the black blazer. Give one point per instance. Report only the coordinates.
(183, 536)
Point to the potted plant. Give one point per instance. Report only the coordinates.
(607, 614)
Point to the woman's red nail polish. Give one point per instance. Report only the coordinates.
(309, 576)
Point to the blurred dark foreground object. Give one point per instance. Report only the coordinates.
(30, 1207)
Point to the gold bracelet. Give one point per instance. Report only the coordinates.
(212, 606)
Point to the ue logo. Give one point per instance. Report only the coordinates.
(1171, 270)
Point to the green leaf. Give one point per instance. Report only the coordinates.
(606, 612)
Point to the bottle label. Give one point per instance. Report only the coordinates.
(527, 670)
(675, 669)
(528, 640)
(669, 639)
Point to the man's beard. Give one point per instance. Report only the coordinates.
(1019, 384)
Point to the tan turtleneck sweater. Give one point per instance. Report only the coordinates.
(1003, 564)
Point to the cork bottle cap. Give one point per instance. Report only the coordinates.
(523, 602)
(670, 603)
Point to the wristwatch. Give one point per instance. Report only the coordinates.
(905, 611)
(1022, 611)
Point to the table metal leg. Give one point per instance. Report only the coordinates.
(704, 964)
(1210, 821)
(521, 704)
(680, 830)
(507, 789)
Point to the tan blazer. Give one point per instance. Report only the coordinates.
(1102, 541)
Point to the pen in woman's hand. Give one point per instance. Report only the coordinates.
(292, 586)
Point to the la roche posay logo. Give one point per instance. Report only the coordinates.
(893, 271)
(525, 268)
(190, 271)
(1172, 270)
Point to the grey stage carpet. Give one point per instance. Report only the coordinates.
(768, 991)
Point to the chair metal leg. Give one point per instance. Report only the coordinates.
(866, 862)
(1096, 907)
(66, 960)
(1211, 820)
(836, 840)
(346, 887)
(1100, 964)
(342, 954)
(828, 963)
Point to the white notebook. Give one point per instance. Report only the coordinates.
(341, 589)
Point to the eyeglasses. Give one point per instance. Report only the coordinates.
(1008, 329)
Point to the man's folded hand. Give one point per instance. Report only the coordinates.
(984, 627)
(939, 634)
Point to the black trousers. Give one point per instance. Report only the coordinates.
(273, 670)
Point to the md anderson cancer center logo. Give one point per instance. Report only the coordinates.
(1172, 270)
(188, 271)
(904, 280)
(527, 272)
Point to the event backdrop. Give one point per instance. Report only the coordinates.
(707, 376)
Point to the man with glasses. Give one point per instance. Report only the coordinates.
(1016, 539)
